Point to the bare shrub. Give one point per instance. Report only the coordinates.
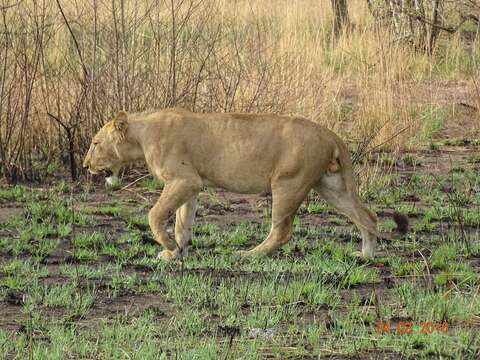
(22, 43)
(420, 22)
(67, 66)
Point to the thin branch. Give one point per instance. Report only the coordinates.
(390, 138)
(5, 7)
(74, 39)
(60, 122)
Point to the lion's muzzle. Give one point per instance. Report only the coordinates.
(107, 172)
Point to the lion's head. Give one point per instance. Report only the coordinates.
(105, 152)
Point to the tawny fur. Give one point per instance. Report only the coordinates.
(243, 153)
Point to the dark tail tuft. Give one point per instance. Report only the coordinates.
(402, 222)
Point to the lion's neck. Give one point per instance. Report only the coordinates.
(132, 149)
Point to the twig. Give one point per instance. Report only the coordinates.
(60, 122)
(5, 7)
(456, 286)
(70, 130)
(74, 242)
(137, 194)
(389, 139)
(134, 182)
(428, 269)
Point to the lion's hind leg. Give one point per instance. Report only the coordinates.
(334, 191)
(184, 219)
(286, 198)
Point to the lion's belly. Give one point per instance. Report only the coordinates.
(242, 166)
(238, 182)
(247, 188)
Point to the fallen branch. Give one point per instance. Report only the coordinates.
(389, 139)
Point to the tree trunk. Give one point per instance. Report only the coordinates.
(341, 19)
(433, 29)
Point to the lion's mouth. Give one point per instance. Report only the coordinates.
(107, 172)
(103, 172)
(93, 172)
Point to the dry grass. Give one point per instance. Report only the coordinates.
(207, 55)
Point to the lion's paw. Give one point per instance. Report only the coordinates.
(361, 256)
(250, 253)
(167, 255)
(357, 254)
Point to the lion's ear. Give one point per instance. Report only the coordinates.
(121, 122)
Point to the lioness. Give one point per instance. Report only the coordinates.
(243, 153)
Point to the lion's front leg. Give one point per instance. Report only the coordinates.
(184, 219)
(173, 196)
(157, 218)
